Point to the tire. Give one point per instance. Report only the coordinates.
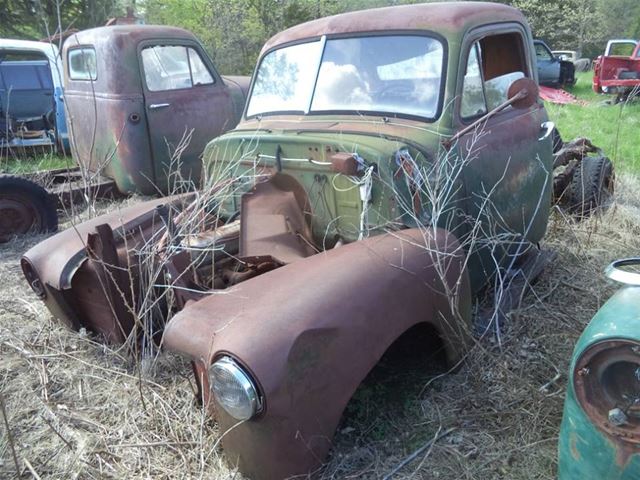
(567, 73)
(591, 187)
(582, 65)
(25, 207)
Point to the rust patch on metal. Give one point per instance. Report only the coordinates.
(345, 163)
(573, 445)
(607, 386)
(275, 221)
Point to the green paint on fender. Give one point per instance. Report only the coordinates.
(584, 451)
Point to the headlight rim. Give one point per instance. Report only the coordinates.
(615, 272)
(587, 371)
(234, 366)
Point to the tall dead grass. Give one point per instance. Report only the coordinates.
(78, 409)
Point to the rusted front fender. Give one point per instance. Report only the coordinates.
(68, 282)
(309, 332)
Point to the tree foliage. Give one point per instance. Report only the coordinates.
(37, 19)
(583, 25)
(234, 31)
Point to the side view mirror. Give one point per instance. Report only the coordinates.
(522, 93)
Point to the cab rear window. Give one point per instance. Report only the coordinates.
(82, 64)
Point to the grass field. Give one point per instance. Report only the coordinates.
(614, 128)
(28, 163)
(78, 409)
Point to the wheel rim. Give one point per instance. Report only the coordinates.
(17, 216)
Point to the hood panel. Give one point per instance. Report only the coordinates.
(336, 200)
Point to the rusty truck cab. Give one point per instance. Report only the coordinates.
(143, 101)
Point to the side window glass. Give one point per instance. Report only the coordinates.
(472, 101)
(173, 67)
(542, 53)
(82, 64)
(199, 73)
(622, 49)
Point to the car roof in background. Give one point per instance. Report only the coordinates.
(49, 49)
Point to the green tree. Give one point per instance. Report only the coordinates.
(583, 25)
(36, 19)
(234, 31)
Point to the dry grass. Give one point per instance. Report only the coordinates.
(77, 409)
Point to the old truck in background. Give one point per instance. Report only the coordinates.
(389, 163)
(141, 103)
(142, 99)
(553, 71)
(617, 72)
(581, 64)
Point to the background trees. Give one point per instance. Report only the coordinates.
(583, 25)
(235, 30)
(37, 19)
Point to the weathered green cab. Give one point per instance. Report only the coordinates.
(600, 433)
(390, 88)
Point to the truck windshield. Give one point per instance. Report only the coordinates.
(392, 74)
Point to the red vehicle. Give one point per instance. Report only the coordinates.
(617, 74)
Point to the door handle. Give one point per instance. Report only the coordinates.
(155, 106)
(547, 127)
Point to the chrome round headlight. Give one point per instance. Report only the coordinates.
(233, 389)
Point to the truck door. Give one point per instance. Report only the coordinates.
(186, 104)
(548, 65)
(508, 176)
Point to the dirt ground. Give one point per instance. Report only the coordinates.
(77, 409)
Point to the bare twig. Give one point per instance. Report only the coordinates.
(31, 469)
(9, 435)
(415, 454)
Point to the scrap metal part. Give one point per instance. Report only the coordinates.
(559, 96)
(583, 177)
(70, 271)
(600, 432)
(318, 317)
